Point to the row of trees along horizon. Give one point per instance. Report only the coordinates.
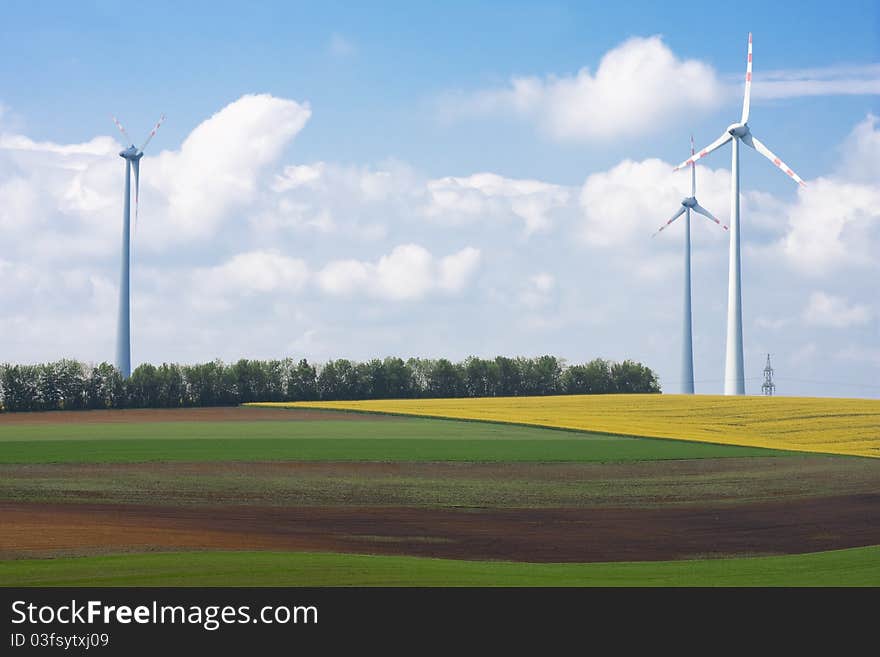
(72, 385)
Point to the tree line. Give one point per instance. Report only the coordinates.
(71, 385)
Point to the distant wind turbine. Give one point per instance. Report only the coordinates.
(687, 345)
(734, 377)
(132, 156)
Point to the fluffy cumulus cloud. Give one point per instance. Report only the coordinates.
(488, 195)
(54, 198)
(636, 85)
(835, 222)
(640, 84)
(627, 203)
(860, 160)
(219, 165)
(836, 312)
(228, 232)
(245, 249)
(408, 273)
(255, 272)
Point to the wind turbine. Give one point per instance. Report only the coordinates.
(687, 345)
(132, 156)
(734, 377)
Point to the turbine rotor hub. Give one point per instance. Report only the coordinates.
(738, 129)
(689, 201)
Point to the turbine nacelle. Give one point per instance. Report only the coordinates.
(738, 129)
(131, 153)
(689, 202)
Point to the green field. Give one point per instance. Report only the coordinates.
(855, 567)
(401, 486)
(452, 484)
(376, 440)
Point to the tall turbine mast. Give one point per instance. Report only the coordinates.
(734, 372)
(687, 347)
(132, 156)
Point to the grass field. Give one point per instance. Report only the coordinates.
(832, 426)
(262, 497)
(454, 484)
(855, 567)
(409, 439)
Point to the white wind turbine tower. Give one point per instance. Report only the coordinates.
(734, 377)
(132, 156)
(687, 345)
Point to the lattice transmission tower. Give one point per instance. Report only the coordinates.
(768, 387)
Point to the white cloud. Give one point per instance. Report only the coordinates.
(254, 272)
(298, 175)
(99, 146)
(380, 234)
(408, 273)
(638, 85)
(861, 153)
(630, 201)
(218, 166)
(457, 269)
(485, 195)
(289, 214)
(354, 202)
(344, 277)
(826, 81)
(405, 273)
(835, 312)
(833, 223)
(537, 290)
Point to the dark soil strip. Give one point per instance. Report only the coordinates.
(538, 535)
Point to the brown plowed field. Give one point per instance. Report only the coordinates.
(538, 535)
(211, 414)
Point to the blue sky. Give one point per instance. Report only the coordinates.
(189, 59)
(395, 108)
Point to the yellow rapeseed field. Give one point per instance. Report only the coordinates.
(835, 426)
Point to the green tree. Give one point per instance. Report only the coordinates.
(144, 387)
(105, 387)
(171, 391)
(445, 379)
(481, 377)
(632, 377)
(302, 385)
(509, 376)
(593, 378)
(340, 379)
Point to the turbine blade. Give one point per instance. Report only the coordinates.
(153, 132)
(693, 170)
(699, 209)
(754, 142)
(748, 92)
(723, 139)
(122, 130)
(674, 217)
(137, 186)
